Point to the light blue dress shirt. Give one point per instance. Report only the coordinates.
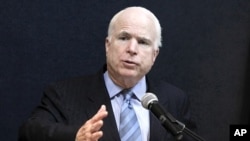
(116, 100)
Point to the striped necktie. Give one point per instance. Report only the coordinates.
(129, 126)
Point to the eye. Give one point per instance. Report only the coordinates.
(143, 42)
(124, 38)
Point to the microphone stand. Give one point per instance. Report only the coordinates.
(184, 129)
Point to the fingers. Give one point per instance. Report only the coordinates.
(95, 126)
(90, 137)
(102, 108)
(90, 131)
(102, 113)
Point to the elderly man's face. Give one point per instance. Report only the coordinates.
(130, 50)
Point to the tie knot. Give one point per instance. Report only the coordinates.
(127, 94)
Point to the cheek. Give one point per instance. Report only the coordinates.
(117, 51)
(147, 61)
(113, 54)
(148, 58)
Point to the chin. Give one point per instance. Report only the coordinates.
(129, 75)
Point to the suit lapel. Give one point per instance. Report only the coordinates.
(98, 95)
(157, 131)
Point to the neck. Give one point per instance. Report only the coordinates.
(125, 83)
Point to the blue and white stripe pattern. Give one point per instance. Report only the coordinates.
(129, 126)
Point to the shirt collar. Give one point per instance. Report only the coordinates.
(139, 89)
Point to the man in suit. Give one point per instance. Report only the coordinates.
(88, 108)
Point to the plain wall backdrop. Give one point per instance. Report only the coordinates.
(205, 52)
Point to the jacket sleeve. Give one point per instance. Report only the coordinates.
(48, 122)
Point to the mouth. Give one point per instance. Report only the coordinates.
(129, 63)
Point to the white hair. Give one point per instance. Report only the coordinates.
(156, 22)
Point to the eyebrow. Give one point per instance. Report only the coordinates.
(138, 38)
(124, 33)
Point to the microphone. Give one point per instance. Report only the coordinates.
(150, 101)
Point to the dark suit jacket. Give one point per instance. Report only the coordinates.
(67, 105)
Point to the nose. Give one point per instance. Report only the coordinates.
(132, 47)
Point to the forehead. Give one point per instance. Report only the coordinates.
(135, 22)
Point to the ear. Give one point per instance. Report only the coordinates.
(155, 54)
(107, 44)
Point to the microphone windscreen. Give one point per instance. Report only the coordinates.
(147, 99)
